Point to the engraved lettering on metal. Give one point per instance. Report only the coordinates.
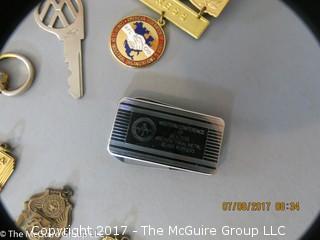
(159, 134)
(7, 165)
(181, 15)
(44, 211)
(212, 7)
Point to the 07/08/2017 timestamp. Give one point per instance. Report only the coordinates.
(260, 206)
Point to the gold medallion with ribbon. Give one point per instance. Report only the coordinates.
(138, 41)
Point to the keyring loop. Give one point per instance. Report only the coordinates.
(27, 84)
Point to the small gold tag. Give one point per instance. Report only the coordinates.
(116, 238)
(181, 15)
(47, 211)
(3, 81)
(212, 7)
(7, 164)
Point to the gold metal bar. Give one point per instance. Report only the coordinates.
(181, 15)
(6, 166)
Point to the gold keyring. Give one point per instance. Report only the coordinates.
(27, 84)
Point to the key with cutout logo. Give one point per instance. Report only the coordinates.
(65, 19)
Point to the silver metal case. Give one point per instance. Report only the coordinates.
(151, 133)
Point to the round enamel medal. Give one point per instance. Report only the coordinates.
(137, 41)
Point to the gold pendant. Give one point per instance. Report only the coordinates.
(116, 238)
(184, 17)
(3, 81)
(7, 164)
(45, 212)
(138, 41)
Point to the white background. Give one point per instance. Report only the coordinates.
(257, 67)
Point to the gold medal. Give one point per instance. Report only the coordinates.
(45, 212)
(138, 41)
(7, 164)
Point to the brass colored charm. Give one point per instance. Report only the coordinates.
(7, 164)
(116, 238)
(212, 7)
(48, 210)
(3, 81)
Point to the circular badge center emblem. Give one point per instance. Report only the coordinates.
(137, 41)
(144, 129)
(53, 206)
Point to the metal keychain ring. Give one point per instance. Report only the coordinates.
(30, 69)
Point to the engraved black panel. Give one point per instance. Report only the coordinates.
(166, 135)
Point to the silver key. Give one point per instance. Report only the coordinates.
(65, 19)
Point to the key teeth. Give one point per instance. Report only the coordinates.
(76, 95)
(80, 93)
